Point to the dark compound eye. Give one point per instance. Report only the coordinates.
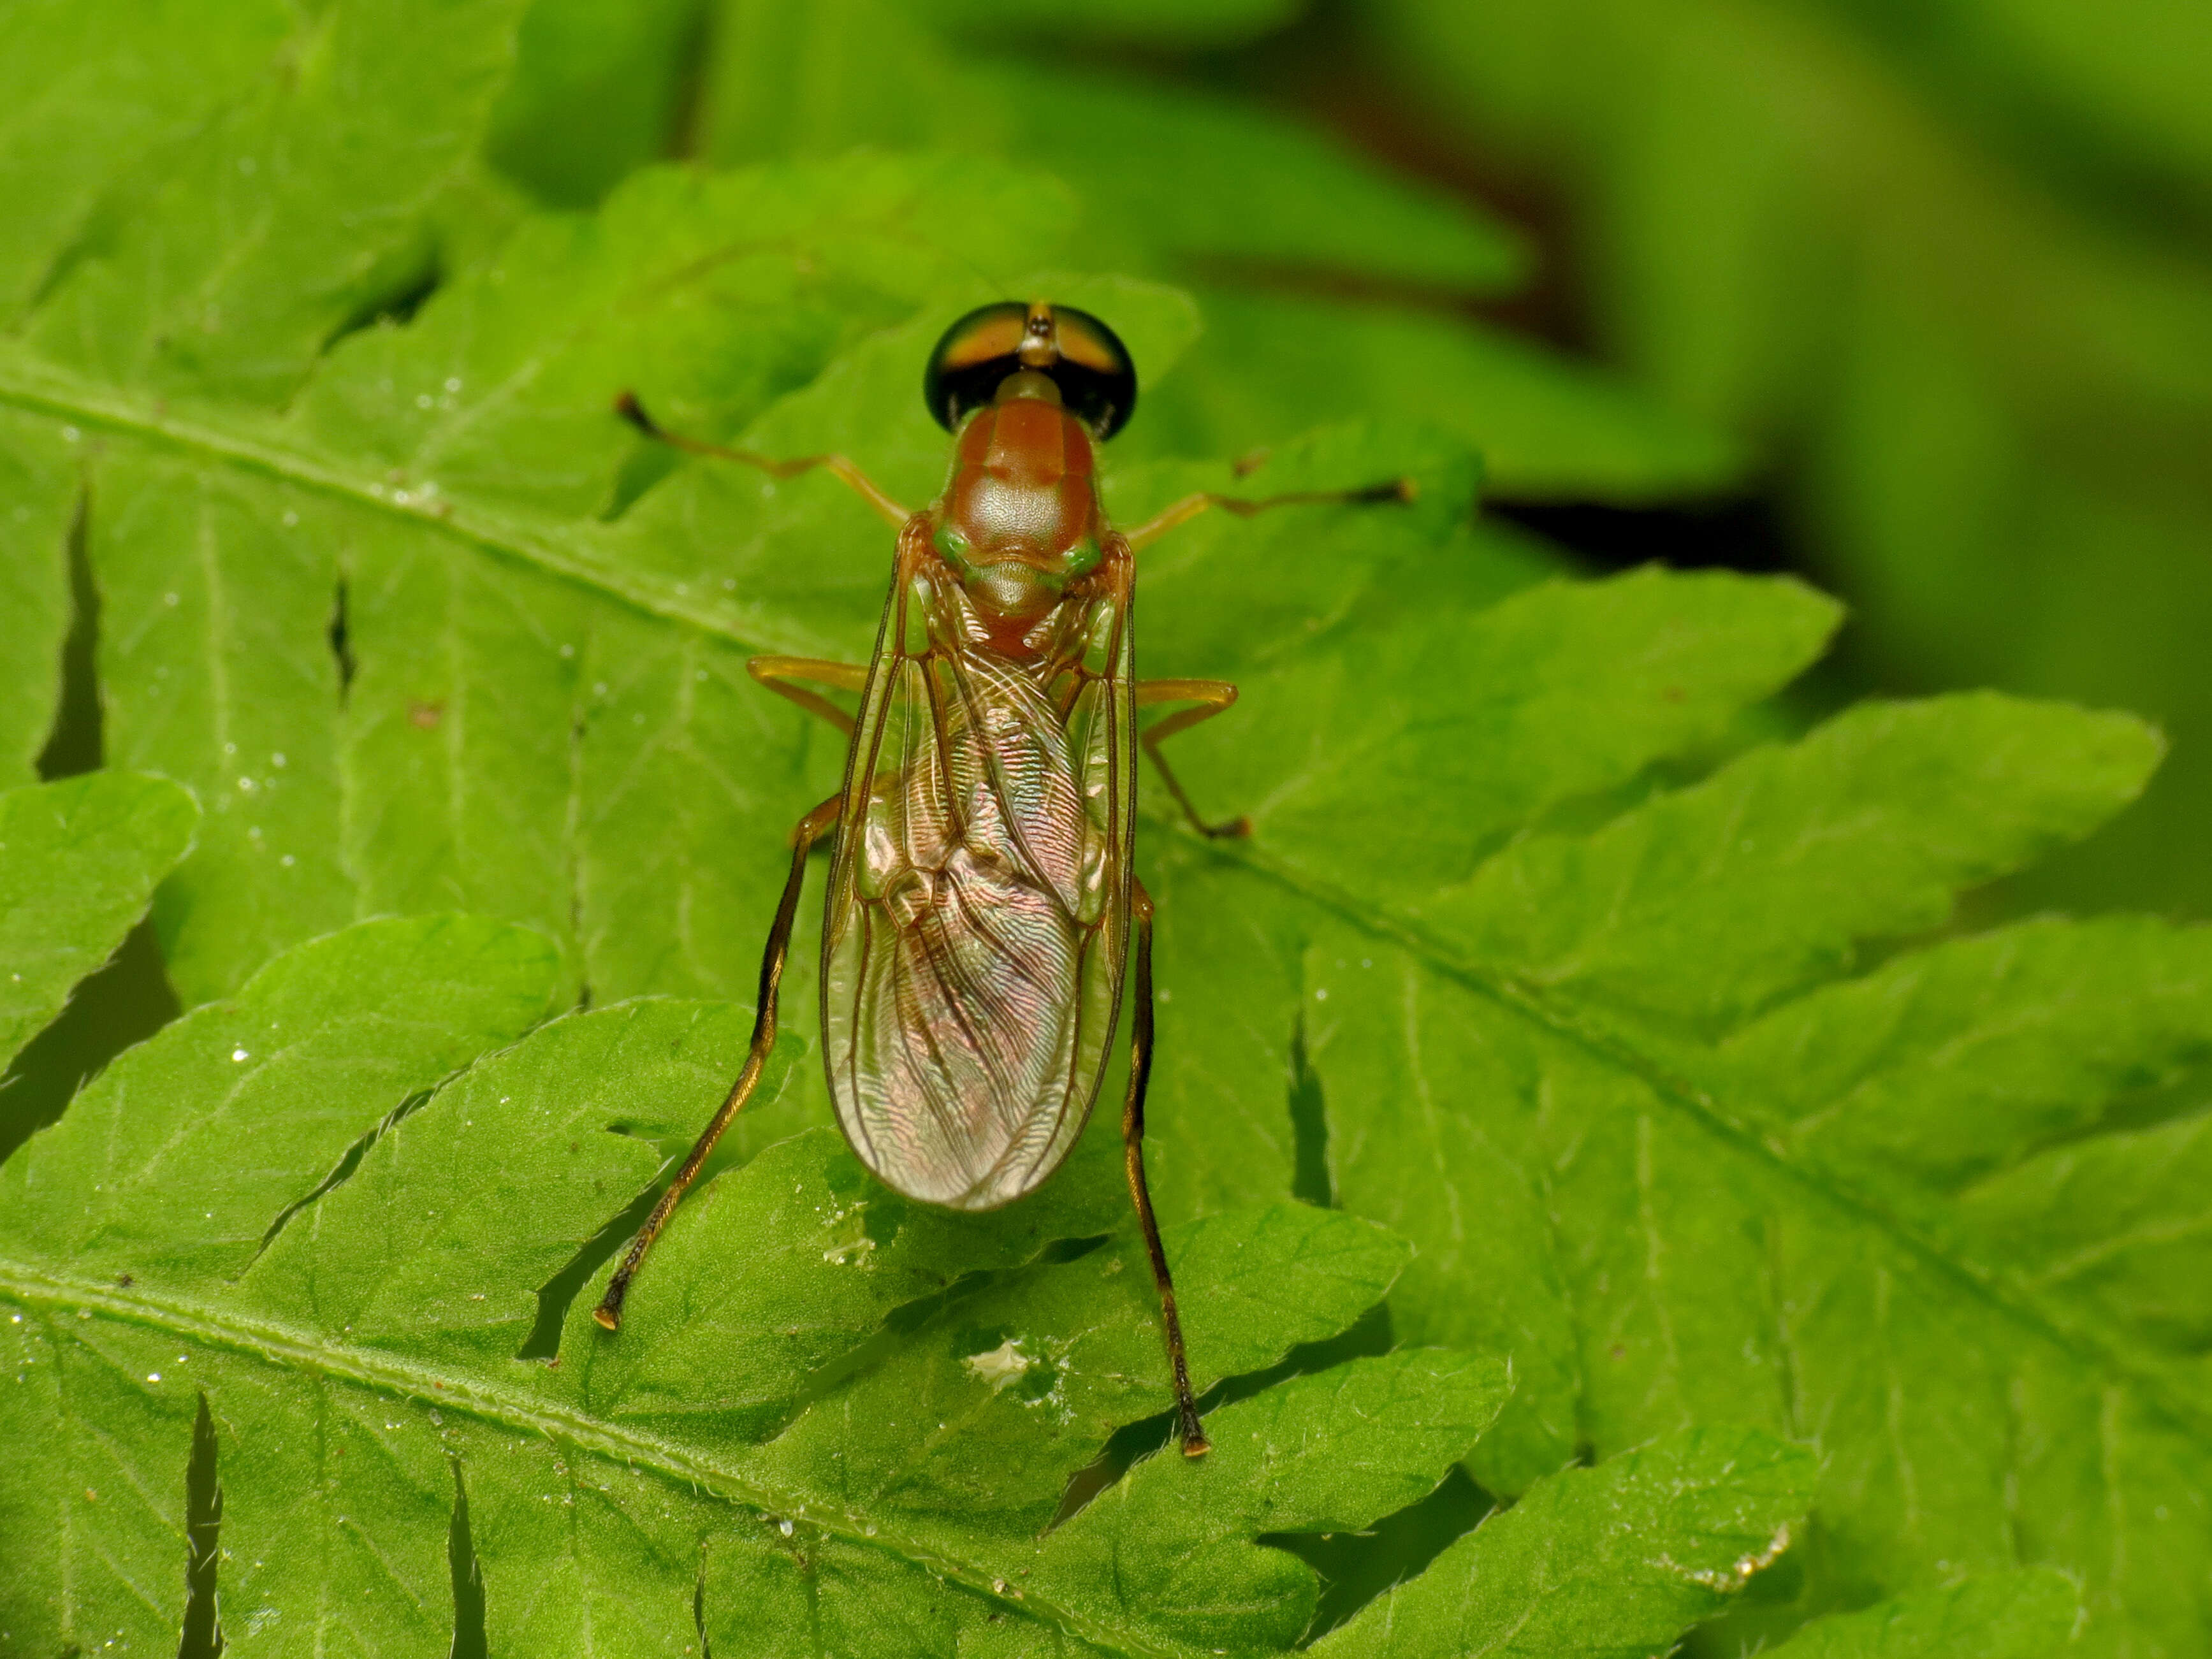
(1082, 356)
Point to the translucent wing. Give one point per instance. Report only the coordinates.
(979, 901)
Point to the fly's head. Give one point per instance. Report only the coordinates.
(1080, 355)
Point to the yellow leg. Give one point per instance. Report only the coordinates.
(808, 830)
(779, 674)
(1183, 511)
(1208, 698)
(630, 410)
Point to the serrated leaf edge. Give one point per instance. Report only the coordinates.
(1613, 1043)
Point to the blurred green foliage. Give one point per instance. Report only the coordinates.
(1288, 233)
(1949, 266)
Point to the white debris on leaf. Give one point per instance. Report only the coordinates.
(1003, 1364)
(1727, 1581)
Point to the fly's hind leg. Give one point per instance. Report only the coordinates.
(1207, 698)
(811, 829)
(1195, 1442)
(839, 466)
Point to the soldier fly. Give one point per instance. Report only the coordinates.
(981, 889)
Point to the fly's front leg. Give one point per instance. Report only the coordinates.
(1210, 697)
(811, 829)
(842, 469)
(1194, 1443)
(1207, 698)
(779, 674)
(1183, 511)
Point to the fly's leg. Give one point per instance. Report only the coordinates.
(1207, 698)
(1194, 1443)
(780, 673)
(811, 829)
(858, 482)
(1183, 511)
(1210, 697)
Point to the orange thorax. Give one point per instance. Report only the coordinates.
(1020, 520)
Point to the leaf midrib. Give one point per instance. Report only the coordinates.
(290, 1348)
(2089, 1342)
(34, 388)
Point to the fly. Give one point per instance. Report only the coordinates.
(983, 894)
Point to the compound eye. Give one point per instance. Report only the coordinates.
(1082, 356)
(1096, 378)
(971, 358)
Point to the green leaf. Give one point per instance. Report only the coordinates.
(128, 94)
(595, 93)
(1609, 1560)
(1182, 179)
(354, 1372)
(1154, 22)
(1648, 1180)
(1541, 1024)
(313, 182)
(1187, 172)
(1208, 177)
(297, 1066)
(1272, 364)
(1965, 1059)
(2113, 1227)
(37, 478)
(1558, 693)
(2114, 102)
(474, 1206)
(2021, 1615)
(1327, 1453)
(78, 862)
(1671, 911)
